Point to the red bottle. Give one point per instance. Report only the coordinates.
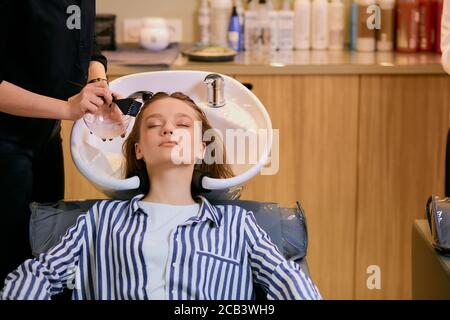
(438, 8)
(407, 25)
(427, 25)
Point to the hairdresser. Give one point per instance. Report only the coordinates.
(46, 47)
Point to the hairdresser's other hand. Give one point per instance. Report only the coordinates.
(92, 97)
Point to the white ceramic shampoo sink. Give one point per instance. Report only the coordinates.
(102, 162)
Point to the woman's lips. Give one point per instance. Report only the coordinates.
(168, 144)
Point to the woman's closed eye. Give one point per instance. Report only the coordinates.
(153, 125)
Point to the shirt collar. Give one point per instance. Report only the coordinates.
(207, 210)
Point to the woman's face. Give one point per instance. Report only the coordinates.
(170, 134)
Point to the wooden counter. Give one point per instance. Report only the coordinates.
(307, 62)
(362, 146)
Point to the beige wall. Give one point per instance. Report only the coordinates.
(180, 9)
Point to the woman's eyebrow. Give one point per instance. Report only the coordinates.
(159, 115)
(154, 115)
(183, 115)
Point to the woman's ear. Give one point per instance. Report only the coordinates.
(202, 151)
(138, 151)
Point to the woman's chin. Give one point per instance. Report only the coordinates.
(169, 160)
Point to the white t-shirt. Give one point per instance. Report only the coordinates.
(162, 219)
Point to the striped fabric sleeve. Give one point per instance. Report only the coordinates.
(47, 275)
(281, 279)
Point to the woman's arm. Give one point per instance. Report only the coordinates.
(17, 101)
(99, 63)
(445, 37)
(47, 275)
(20, 102)
(280, 278)
(96, 71)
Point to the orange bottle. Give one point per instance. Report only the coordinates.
(438, 8)
(407, 25)
(427, 26)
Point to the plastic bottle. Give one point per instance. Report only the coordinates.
(366, 40)
(261, 38)
(319, 24)
(407, 25)
(274, 25)
(250, 17)
(385, 36)
(302, 33)
(336, 25)
(286, 27)
(240, 11)
(241, 15)
(438, 7)
(353, 25)
(427, 27)
(204, 22)
(220, 17)
(234, 31)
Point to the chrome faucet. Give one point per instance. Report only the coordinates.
(215, 87)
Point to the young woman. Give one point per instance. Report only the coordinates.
(168, 243)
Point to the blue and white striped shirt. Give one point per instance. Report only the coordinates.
(217, 255)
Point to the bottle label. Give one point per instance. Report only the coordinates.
(233, 36)
(407, 27)
(363, 30)
(386, 33)
(336, 19)
(303, 25)
(203, 19)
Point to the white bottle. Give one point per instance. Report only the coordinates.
(204, 22)
(365, 40)
(274, 25)
(261, 38)
(319, 24)
(385, 36)
(336, 25)
(302, 12)
(286, 27)
(251, 21)
(240, 11)
(220, 17)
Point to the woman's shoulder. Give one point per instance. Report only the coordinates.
(109, 203)
(232, 210)
(106, 207)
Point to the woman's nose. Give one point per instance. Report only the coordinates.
(167, 128)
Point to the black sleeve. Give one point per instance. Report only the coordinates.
(97, 55)
(5, 9)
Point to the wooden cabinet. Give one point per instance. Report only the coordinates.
(403, 124)
(362, 154)
(317, 119)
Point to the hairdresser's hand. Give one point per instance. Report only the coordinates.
(92, 97)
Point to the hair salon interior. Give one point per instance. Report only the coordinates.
(358, 97)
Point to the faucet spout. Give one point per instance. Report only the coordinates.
(215, 87)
